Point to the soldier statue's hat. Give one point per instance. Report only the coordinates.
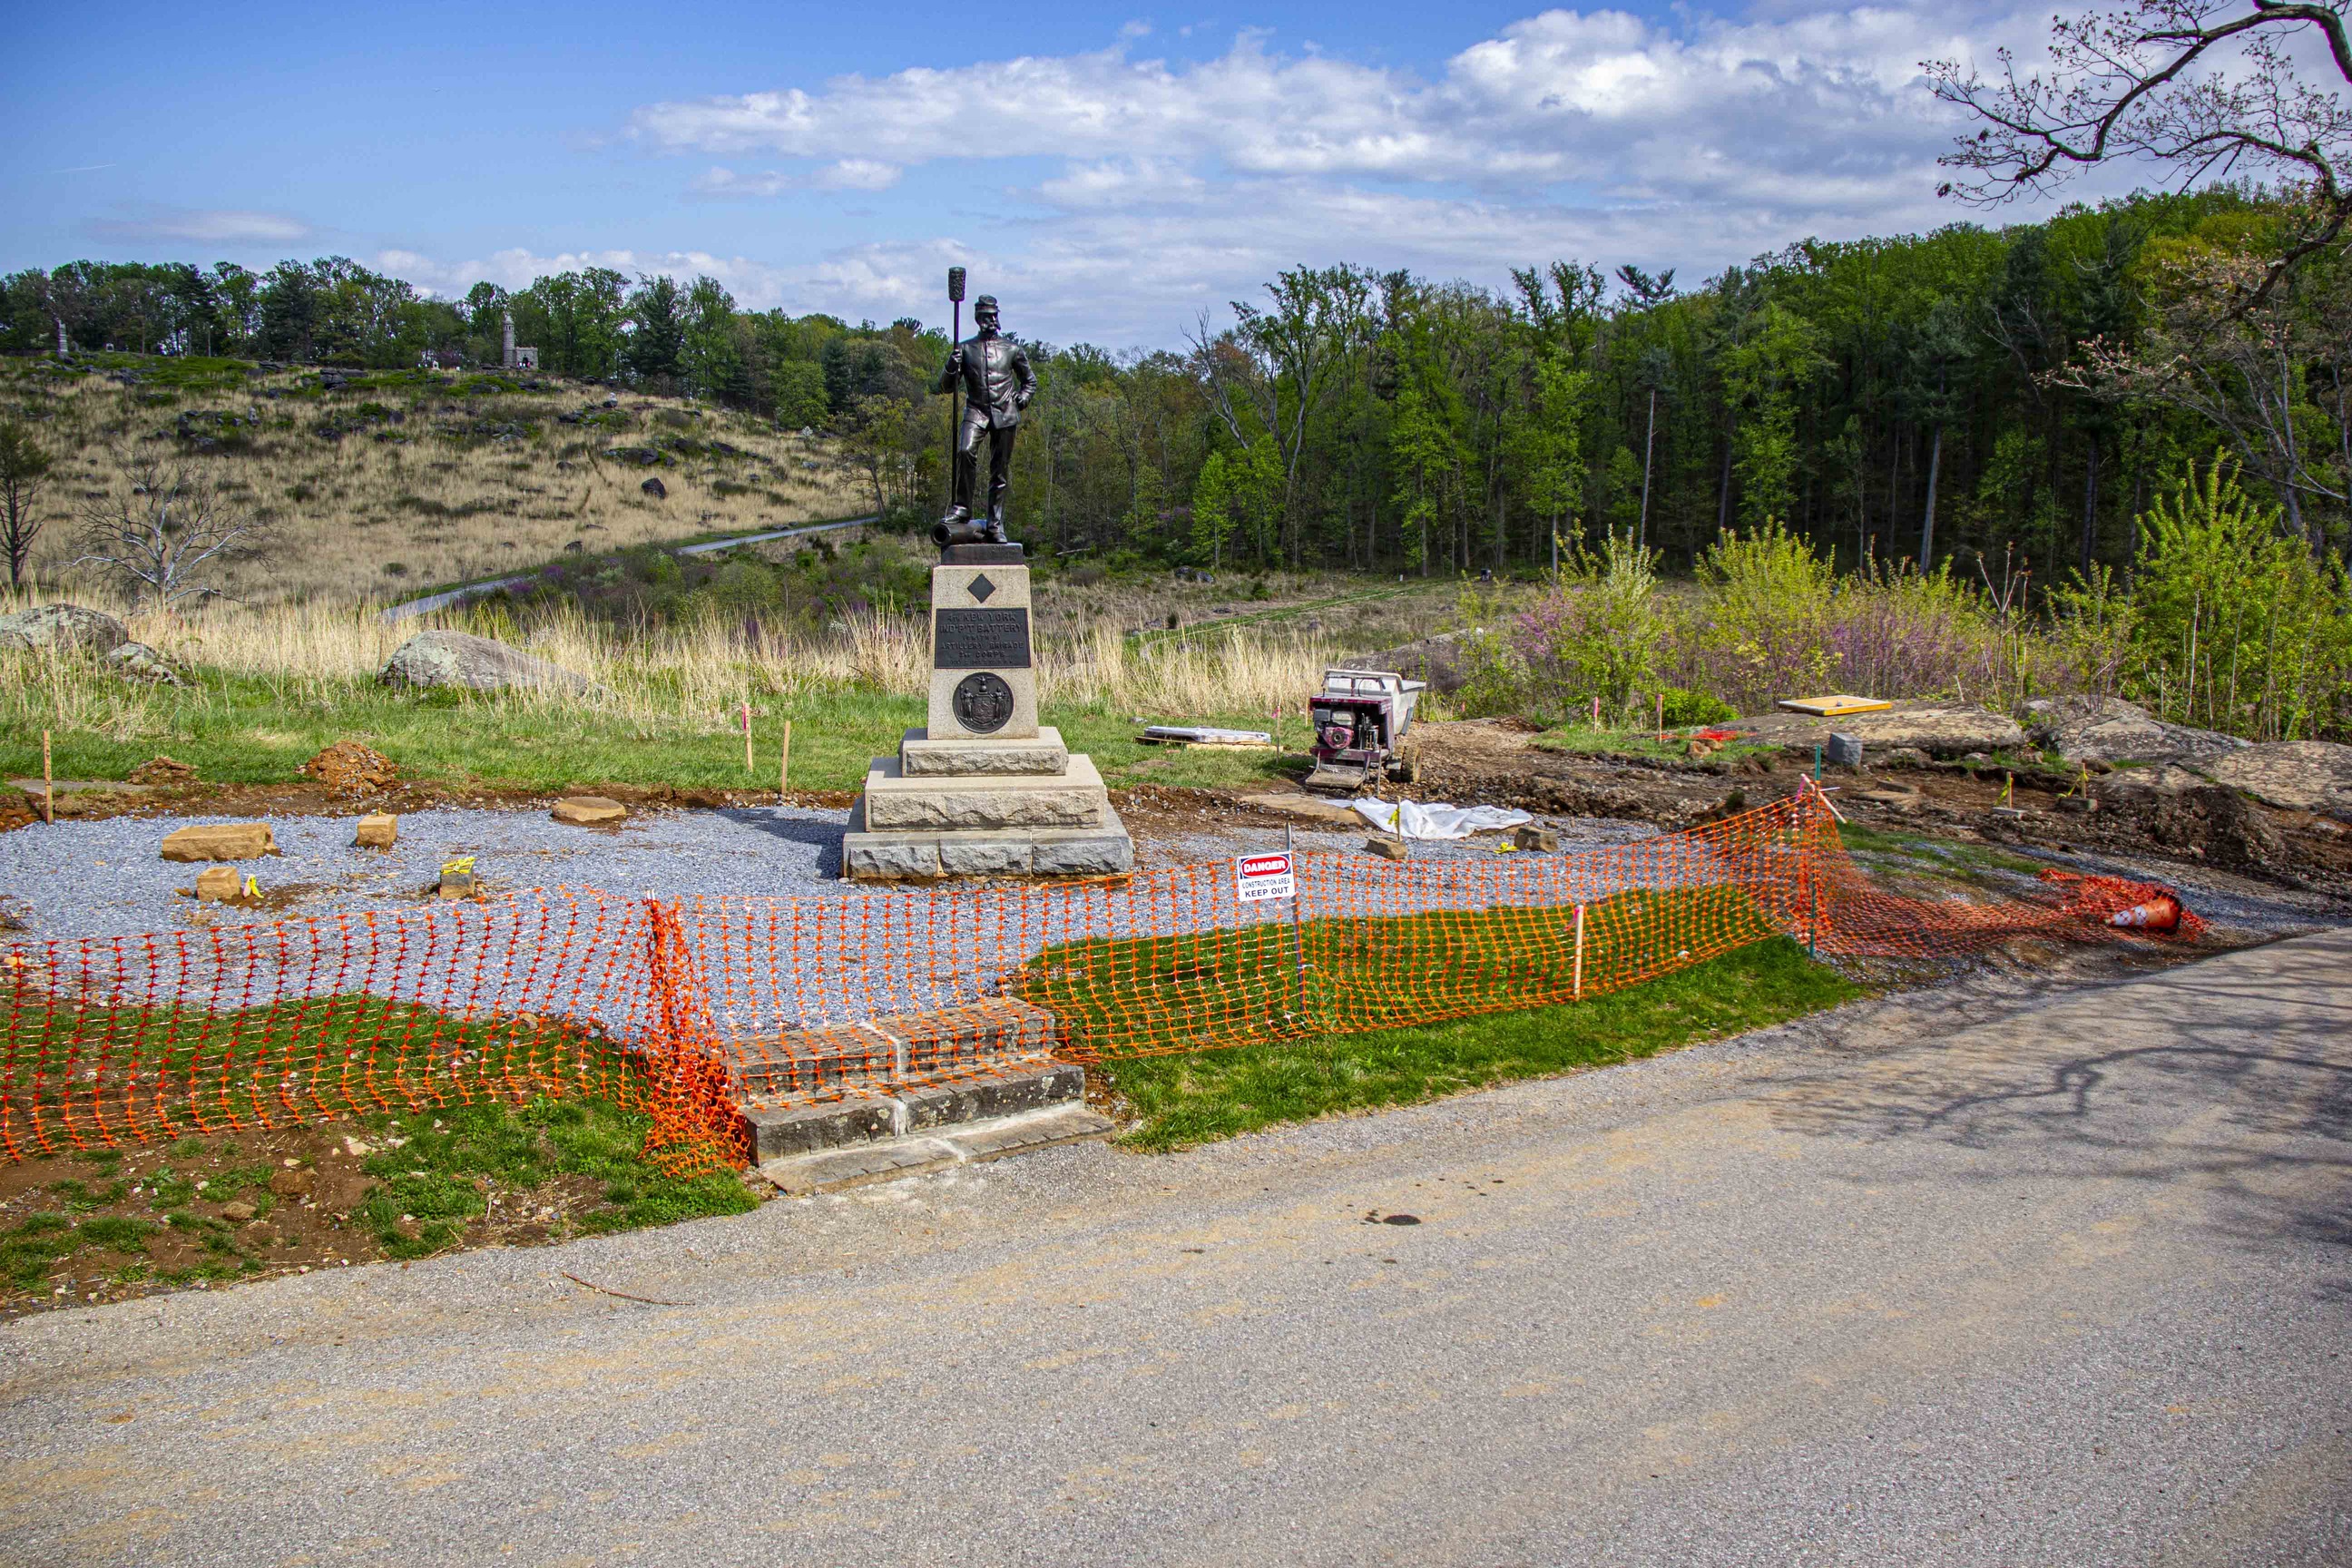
(985, 302)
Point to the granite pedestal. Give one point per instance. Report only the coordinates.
(983, 790)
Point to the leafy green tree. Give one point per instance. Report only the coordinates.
(657, 317)
(801, 402)
(24, 470)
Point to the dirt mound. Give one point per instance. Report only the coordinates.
(350, 768)
(164, 771)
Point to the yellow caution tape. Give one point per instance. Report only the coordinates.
(252, 888)
(463, 866)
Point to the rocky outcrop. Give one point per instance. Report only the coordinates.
(1933, 729)
(461, 660)
(62, 626)
(138, 661)
(2109, 730)
(2296, 776)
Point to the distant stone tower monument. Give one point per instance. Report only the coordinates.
(514, 358)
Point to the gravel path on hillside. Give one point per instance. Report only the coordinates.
(106, 877)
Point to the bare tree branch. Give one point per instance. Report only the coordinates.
(166, 538)
(2202, 88)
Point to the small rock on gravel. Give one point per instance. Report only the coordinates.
(581, 810)
(377, 830)
(219, 841)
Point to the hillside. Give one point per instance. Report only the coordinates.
(391, 481)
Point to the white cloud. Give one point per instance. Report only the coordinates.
(756, 285)
(1169, 188)
(200, 225)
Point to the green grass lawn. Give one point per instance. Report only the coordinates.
(245, 1062)
(240, 730)
(1192, 1099)
(1118, 995)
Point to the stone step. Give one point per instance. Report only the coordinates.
(901, 1045)
(809, 1127)
(800, 1175)
(1074, 798)
(983, 757)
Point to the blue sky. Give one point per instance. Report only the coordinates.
(1111, 174)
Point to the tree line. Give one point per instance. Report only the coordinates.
(2005, 398)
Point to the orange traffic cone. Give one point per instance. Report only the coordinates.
(2160, 914)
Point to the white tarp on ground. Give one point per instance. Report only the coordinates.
(1410, 819)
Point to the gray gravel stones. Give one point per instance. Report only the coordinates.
(103, 878)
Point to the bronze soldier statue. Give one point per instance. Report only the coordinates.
(993, 371)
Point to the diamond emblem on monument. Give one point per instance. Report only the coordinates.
(982, 587)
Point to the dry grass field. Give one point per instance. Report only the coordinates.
(405, 480)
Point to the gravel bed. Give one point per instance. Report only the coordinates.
(105, 878)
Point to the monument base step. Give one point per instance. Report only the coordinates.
(1076, 797)
(918, 855)
(983, 756)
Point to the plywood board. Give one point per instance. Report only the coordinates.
(1834, 707)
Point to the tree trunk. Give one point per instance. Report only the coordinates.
(1723, 487)
(1642, 533)
(2090, 507)
(1928, 522)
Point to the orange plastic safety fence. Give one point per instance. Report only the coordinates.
(685, 1010)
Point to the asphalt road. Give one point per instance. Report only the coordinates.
(409, 609)
(1963, 1279)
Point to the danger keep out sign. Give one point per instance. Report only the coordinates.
(1259, 876)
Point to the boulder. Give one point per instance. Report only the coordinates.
(2109, 730)
(1388, 848)
(220, 841)
(445, 658)
(2296, 775)
(1946, 730)
(583, 809)
(138, 661)
(656, 488)
(1529, 836)
(62, 626)
(217, 885)
(377, 830)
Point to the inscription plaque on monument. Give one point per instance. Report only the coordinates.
(980, 639)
